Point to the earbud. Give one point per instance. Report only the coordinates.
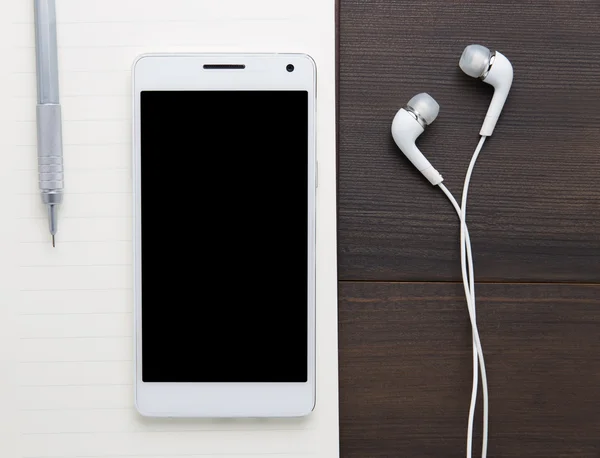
(408, 124)
(493, 68)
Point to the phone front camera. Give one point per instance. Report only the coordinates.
(289, 68)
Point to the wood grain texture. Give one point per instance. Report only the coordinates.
(534, 206)
(405, 369)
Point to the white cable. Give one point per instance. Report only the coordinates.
(473, 402)
(469, 287)
(464, 238)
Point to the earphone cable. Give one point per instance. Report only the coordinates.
(478, 360)
(464, 239)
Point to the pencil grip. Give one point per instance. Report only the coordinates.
(50, 157)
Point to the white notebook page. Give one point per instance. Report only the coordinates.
(66, 313)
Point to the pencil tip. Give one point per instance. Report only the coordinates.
(53, 244)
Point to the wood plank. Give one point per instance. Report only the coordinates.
(534, 204)
(405, 369)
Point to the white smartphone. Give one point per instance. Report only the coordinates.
(224, 234)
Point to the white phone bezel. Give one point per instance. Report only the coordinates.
(262, 72)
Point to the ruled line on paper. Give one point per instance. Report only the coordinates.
(68, 313)
(167, 431)
(95, 205)
(89, 193)
(126, 360)
(117, 34)
(208, 21)
(75, 170)
(117, 420)
(68, 373)
(107, 145)
(179, 430)
(144, 443)
(138, 11)
(71, 289)
(45, 218)
(62, 241)
(179, 455)
(76, 409)
(87, 72)
(106, 132)
(77, 337)
(74, 385)
(40, 266)
(66, 122)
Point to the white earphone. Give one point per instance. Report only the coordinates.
(493, 68)
(408, 124)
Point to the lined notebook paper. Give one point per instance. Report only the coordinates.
(66, 314)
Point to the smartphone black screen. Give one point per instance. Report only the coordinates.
(224, 236)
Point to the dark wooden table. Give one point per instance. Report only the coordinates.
(534, 217)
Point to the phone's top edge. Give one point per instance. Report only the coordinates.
(224, 54)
